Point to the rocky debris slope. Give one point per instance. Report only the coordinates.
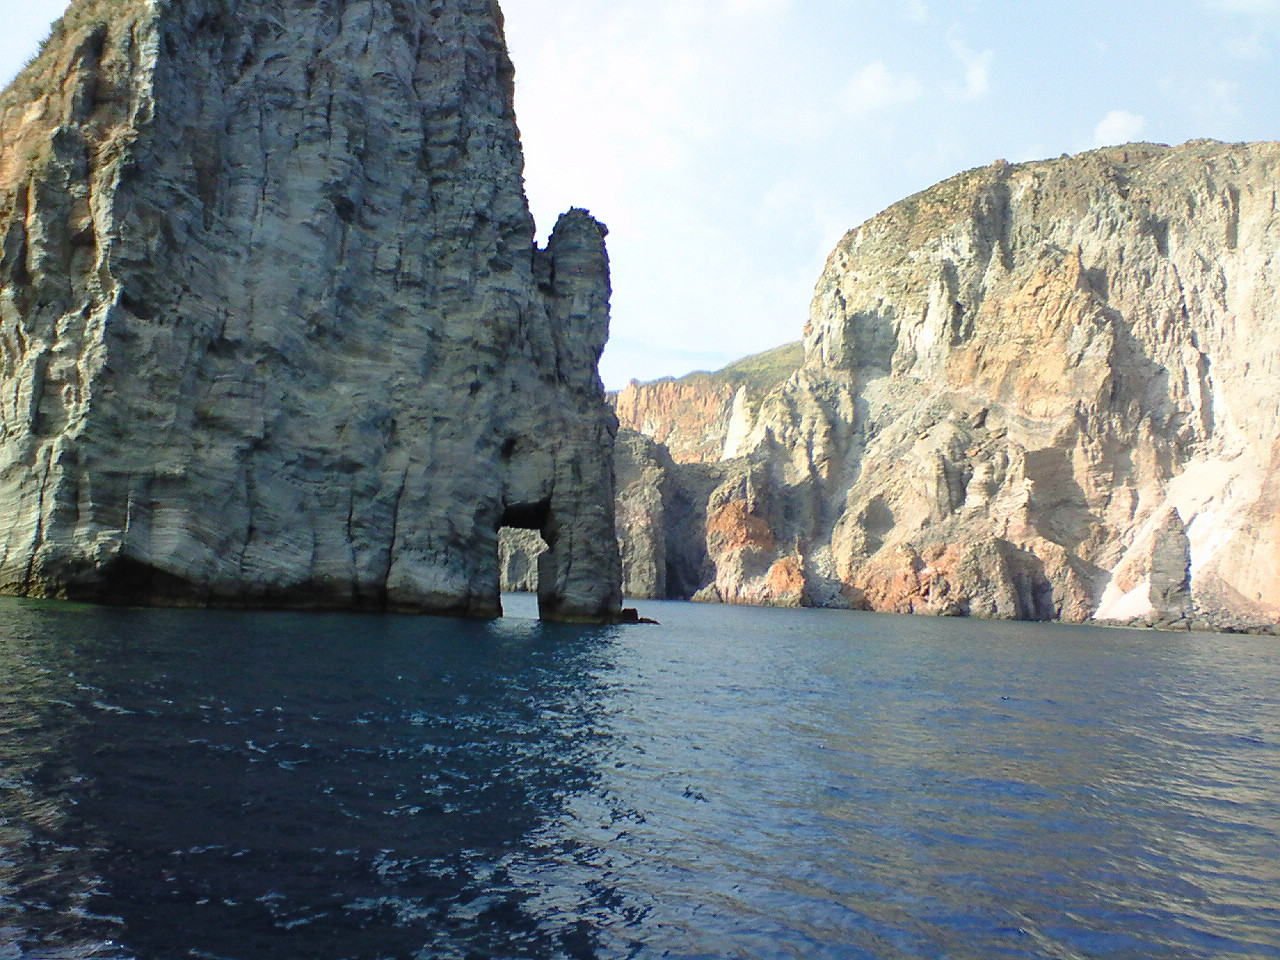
(273, 326)
(703, 417)
(1036, 391)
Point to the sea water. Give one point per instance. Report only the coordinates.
(732, 783)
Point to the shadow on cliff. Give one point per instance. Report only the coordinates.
(1033, 591)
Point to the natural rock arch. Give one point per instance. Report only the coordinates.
(271, 310)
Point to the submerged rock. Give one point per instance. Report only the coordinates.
(273, 326)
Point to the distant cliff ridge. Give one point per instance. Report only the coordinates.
(701, 417)
(1037, 391)
(273, 326)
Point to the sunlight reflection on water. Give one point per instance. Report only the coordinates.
(734, 783)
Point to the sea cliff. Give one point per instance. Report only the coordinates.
(274, 330)
(1042, 391)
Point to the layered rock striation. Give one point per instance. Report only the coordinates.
(1037, 391)
(704, 417)
(273, 326)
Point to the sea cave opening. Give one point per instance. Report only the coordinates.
(521, 546)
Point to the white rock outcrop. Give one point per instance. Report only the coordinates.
(273, 326)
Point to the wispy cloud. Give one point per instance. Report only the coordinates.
(1118, 126)
(875, 88)
(917, 11)
(977, 73)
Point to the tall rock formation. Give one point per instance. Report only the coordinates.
(273, 326)
(1038, 391)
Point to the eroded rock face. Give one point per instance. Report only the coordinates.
(518, 555)
(661, 523)
(643, 489)
(1017, 385)
(706, 417)
(1170, 575)
(689, 416)
(1050, 358)
(273, 326)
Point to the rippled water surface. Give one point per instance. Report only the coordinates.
(734, 783)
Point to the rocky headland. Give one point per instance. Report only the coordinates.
(273, 327)
(1039, 391)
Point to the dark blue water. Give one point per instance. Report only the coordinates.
(735, 783)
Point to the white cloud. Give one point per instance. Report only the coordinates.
(1118, 126)
(917, 11)
(874, 88)
(977, 72)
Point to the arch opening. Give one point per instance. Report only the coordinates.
(523, 551)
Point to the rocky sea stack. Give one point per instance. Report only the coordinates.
(273, 327)
(1049, 390)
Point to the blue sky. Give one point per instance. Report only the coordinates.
(729, 143)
